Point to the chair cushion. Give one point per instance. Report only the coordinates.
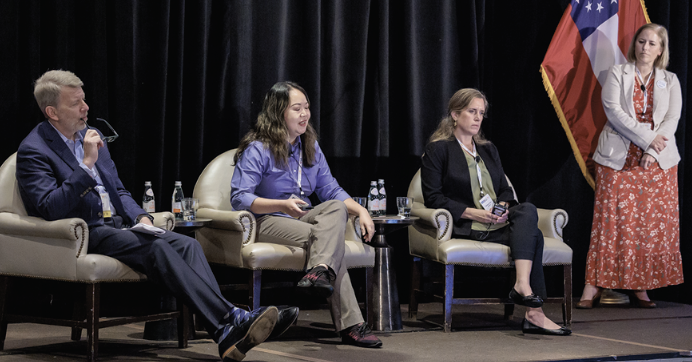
(101, 268)
(477, 253)
(260, 255)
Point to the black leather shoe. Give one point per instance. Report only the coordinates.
(318, 282)
(530, 328)
(287, 316)
(236, 340)
(532, 301)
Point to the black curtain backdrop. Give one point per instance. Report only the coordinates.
(182, 82)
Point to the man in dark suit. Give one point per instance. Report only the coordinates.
(64, 170)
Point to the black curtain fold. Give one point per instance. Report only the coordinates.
(182, 82)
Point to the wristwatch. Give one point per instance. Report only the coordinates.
(151, 218)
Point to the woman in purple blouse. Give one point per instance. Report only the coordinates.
(277, 166)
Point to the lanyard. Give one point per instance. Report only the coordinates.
(300, 173)
(478, 168)
(646, 94)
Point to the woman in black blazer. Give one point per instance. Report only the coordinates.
(462, 173)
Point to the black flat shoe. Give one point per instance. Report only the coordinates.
(532, 301)
(530, 328)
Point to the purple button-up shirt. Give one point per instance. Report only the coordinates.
(257, 175)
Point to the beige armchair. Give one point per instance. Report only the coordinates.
(231, 239)
(431, 238)
(56, 252)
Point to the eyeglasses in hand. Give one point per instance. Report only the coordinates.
(105, 138)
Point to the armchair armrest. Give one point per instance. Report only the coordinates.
(164, 220)
(65, 229)
(552, 222)
(353, 229)
(242, 221)
(438, 221)
(33, 246)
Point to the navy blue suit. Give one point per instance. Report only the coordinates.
(53, 186)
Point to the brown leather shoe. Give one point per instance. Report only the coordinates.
(640, 303)
(589, 303)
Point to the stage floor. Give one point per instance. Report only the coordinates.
(479, 334)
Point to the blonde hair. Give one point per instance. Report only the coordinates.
(662, 60)
(459, 102)
(47, 88)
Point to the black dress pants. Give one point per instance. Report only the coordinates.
(525, 242)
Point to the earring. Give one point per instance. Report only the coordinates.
(455, 124)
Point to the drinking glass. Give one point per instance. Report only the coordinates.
(403, 204)
(362, 201)
(190, 205)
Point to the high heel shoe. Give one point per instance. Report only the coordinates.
(589, 303)
(640, 303)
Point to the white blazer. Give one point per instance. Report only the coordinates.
(622, 126)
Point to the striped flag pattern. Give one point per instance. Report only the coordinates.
(591, 37)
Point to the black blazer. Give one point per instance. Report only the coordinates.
(446, 181)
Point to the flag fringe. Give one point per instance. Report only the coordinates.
(558, 109)
(646, 14)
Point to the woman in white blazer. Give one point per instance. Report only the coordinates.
(635, 235)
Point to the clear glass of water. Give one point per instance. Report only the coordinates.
(404, 204)
(362, 201)
(190, 205)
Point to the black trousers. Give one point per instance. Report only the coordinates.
(172, 260)
(525, 242)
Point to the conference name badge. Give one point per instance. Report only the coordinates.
(106, 203)
(661, 84)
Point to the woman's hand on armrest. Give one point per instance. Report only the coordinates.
(288, 206)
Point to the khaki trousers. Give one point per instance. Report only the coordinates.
(321, 233)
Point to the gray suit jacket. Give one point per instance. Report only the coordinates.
(622, 126)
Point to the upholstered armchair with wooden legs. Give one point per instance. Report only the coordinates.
(430, 238)
(231, 239)
(55, 252)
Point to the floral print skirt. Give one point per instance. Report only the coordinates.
(635, 235)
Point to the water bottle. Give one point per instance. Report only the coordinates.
(148, 203)
(177, 201)
(382, 195)
(373, 200)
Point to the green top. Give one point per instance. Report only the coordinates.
(476, 190)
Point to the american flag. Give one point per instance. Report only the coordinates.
(591, 37)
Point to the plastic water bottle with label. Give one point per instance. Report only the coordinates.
(177, 201)
(373, 200)
(148, 203)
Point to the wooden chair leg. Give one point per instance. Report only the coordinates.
(78, 314)
(93, 302)
(415, 287)
(509, 308)
(183, 324)
(449, 295)
(567, 305)
(4, 281)
(369, 275)
(255, 288)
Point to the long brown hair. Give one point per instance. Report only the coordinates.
(459, 101)
(271, 130)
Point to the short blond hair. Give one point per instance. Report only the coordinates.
(47, 88)
(662, 60)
